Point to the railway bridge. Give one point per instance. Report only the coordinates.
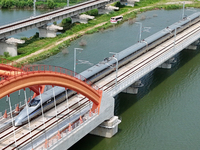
(91, 111)
(41, 22)
(50, 17)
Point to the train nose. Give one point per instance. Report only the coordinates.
(18, 123)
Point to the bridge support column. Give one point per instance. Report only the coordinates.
(193, 46)
(128, 2)
(168, 63)
(107, 9)
(108, 128)
(133, 89)
(49, 31)
(10, 46)
(82, 18)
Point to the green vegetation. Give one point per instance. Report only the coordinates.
(50, 4)
(144, 3)
(40, 4)
(16, 3)
(6, 54)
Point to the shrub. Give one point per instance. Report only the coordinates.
(93, 12)
(67, 20)
(118, 4)
(6, 54)
(24, 38)
(50, 4)
(22, 4)
(30, 3)
(6, 3)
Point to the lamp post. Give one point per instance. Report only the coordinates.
(183, 14)
(75, 49)
(140, 30)
(175, 36)
(116, 58)
(34, 13)
(146, 29)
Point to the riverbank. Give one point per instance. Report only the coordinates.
(42, 48)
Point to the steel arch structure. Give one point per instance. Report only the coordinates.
(36, 75)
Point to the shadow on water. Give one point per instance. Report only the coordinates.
(124, 101)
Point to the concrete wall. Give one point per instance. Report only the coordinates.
(46, 33)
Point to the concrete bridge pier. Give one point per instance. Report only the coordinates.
(107, 9)
(10, 46)
(168, 63)
(194, 45)
(133, 89)
(108, 128)
(93, 125)
(128, 2)
(49, 31)
(81, 18)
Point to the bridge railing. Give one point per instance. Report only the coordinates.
(33, 15)
(10, 63)
(21, 105)
(69, 130)
(154, 63)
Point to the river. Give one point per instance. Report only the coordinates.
(164, 114)
(10, 16)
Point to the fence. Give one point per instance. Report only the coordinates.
(67, 131)
(152, 65)
(21, 105)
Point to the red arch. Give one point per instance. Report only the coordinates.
(7, 71)
(29, 79)
(7, 66)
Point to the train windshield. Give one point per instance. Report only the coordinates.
(33, 102)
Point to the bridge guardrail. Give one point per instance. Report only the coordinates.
(152, 65)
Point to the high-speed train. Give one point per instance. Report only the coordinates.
(103, 68)
(34, 106)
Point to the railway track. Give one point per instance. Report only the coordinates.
(46, 16)
(23, 139)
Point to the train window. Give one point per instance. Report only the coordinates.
(33, 102)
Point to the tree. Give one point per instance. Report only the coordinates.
(6, 3)
(50, 4)
(22, 3)
(30, 3)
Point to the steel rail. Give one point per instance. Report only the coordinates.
(49, 126)
(46, 15)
